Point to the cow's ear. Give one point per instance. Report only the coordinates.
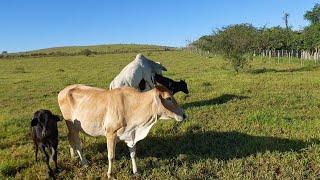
(34, 122)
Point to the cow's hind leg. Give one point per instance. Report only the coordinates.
(72, 152)
(74, 141)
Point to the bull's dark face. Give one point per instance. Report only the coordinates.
(45, 122)
(184, 87)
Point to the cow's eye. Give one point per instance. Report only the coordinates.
(169, 99)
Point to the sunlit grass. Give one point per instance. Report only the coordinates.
(260, 123)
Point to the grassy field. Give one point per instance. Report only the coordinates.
(262, 123)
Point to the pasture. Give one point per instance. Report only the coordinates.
(262, 123)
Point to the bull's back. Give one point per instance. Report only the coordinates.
(130, 76)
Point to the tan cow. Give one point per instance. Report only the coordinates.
(119, 114)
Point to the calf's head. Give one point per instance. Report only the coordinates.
(183, 86)
(45, 122)
(167, 106)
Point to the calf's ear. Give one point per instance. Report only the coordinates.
(55, 117)
(34, 122)
(163, 68)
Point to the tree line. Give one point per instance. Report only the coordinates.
(235, 41)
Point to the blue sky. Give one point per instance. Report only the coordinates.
(34, 24)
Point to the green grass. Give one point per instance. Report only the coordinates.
(262, 123)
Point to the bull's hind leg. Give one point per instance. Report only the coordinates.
(74, 141)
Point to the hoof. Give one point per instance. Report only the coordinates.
(51, 175)
(85, 162)
(57, 170)
(136, 174)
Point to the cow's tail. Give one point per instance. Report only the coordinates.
(65, 100)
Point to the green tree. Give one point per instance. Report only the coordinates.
(204, 43)
(234, 42)
(314, 15)
(311, 37)
(86, 52)
(276, 38)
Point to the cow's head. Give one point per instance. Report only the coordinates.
(45, 122)
(167, 106)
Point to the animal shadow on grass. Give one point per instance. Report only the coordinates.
(215, 101)
(215, 145)
(301, 69)
(196, 144)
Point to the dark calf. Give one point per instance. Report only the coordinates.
(173, 86)
(44, 132)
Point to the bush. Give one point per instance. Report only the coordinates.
(86, 52)
(234, 42)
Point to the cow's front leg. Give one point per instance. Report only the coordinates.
(111, 143)
(133, 158)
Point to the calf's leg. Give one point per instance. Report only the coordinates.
(55, 157)
(36, 149)
(47, 158)
(111, 143)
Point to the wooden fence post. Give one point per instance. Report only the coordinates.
(289, 57)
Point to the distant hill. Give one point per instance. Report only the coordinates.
(108, 48)
(93, 50)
